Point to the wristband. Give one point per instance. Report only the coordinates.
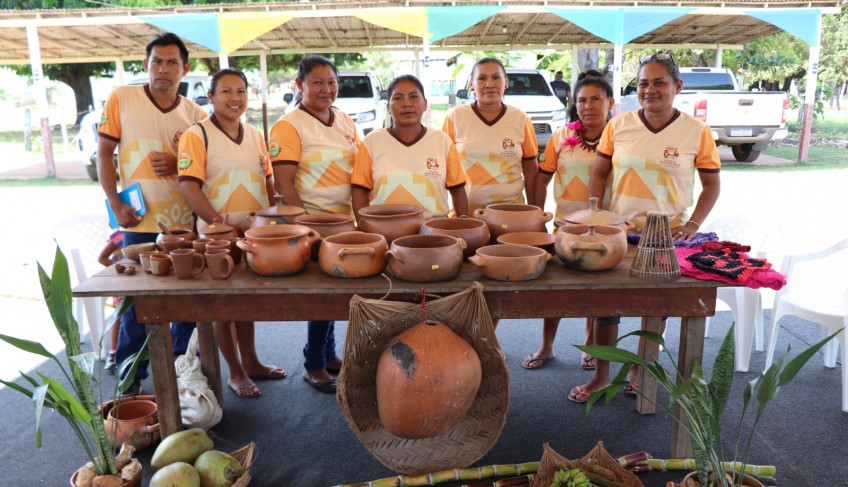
(697, 225)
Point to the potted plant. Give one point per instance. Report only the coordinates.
(78, 406)
(703, 403)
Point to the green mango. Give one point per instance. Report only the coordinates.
(184, 446)
(177, 474)
(217, 469)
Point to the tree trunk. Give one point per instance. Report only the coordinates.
(787, 82)
(587, 59)
(81, 84)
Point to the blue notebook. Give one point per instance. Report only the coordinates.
(131, 196)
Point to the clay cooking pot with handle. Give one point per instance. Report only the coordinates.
(279, 214)
(507, 218)
(590, 247)
(353, 254)
(326, 224)
(511, 262)
(277, 250)
(596, 216)
(391, 221)
(425, 258)
(475, 232)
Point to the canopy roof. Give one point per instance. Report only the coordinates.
(107, 34)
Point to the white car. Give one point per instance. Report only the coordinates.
(362, 97)
(192, 87)
(530, 91)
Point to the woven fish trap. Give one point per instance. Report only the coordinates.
(373, 324)
(655, 258)
(552, 462)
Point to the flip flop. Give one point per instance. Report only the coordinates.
(274, 373)
(334, 370)
(532, 358)
(244, 392)
(631, 388)
(578, 395)
(587, 362)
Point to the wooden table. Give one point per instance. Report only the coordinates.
(313, 295)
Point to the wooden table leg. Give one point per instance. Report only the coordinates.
(691, 349)
(648, 350)
(210, 362)
(164, 378)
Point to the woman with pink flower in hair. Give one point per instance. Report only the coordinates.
(569, 157)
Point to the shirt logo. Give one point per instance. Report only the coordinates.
(432, 168)
(274, 149)
(262, 164)
(176, 140)
(508, 144)
(670, 156)
(103, 118)
(185, 161)
(350, 140)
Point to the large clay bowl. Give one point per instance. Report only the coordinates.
(134, 251)
(507, 218)
(425, 258)
(134, 421)
(326, 224)
(353, 254)
(475, 232)
(185, 233)
(391, 221)
(277, 250)
(590, 247)
(542, 240)
(511, 262)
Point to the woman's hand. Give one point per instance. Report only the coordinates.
(685, 231)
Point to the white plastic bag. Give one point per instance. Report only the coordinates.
(198, 405)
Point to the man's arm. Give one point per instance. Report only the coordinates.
(125, 215)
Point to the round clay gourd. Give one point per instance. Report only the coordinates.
(427, 379)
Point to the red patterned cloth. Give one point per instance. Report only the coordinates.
(765, 277)
(725, 244)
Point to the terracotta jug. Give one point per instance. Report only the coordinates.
(475, 232)
(279, 214)
(511, 262)
(507, 218)
(590, 247)
(326, 224)
(133, 421)
(425, 258)
(391, 221)
(353, 254)
(278, 250)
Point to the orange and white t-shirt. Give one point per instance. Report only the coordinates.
(491, 153)
(654, 169)
(139, 126)
(323, 154)
(419, 173)
(571, 166)
(231, 173)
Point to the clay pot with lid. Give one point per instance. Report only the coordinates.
(279, 214)
(326, 224)
(475, 232)
(391, 221)
(218, 230)
(507, 218)
(277, 250)
(511, 262)
(596, 216)
(590, 247)
(425, 258)
(353, 254)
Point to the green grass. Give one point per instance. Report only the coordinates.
(46, 182)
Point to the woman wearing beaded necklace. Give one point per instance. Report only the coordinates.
(569, 155)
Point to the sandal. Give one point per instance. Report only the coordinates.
(274, 373)
(578, 395)
(532, 359)
(631, 388)
(245, 392)
(587, 362)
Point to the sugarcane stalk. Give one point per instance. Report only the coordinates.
(452, 475)
(761, 471)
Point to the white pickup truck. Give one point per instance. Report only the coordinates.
(743, 120)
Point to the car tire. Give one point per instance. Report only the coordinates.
(745, 152)
(92, 171)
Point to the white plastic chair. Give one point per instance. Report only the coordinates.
(825, 304)
(746, 304)
(81, 239)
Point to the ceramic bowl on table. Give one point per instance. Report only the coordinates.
(134, 251)
(508, 218)
(511, 262)
(391, 221)
(425, 258)
(475, 232)
(327, 225)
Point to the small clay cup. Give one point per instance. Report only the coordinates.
(187, 263)
(199, 245)
(220, 263)
(160, 264)
(144, 258)
(235, 251)
(225, 244)
(171, 242)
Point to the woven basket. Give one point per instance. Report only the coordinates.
(552, 462)
(373, 324)
(245, 456)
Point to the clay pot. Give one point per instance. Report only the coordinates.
(590, 247)
(511, 262)
(542, 240)
(133, 421)
(326, 224)
(277, 250)
(595, 216)
(353, 254)
(218, 231)
(185, 233)
(133, 482)
(692, 479)
(425, 258)
(391, 221)
(507, 218)
(167, 243)
(475, 232)
(279, 214)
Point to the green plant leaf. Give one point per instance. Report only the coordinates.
(612, 354)
(791, 369)
(129, 366)
(38, 396)
(16, 387)
(86, 363)
(722, 374)
(59, 393)
(28, 346)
